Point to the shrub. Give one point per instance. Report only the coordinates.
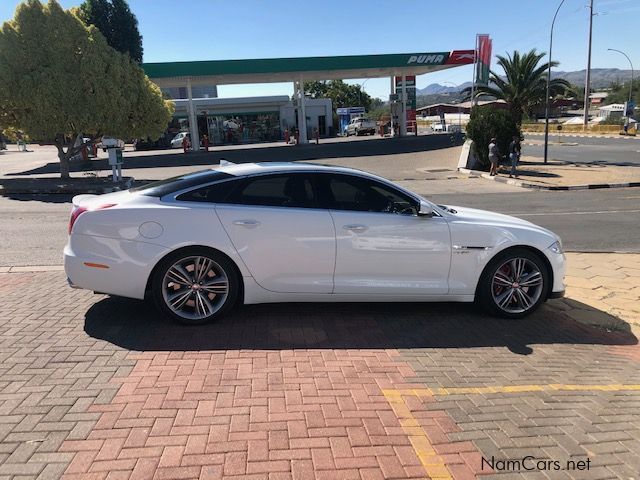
(486, 122)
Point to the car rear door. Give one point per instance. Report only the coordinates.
(286, 242)
(383, 246)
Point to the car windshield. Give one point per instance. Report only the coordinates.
(175, 184)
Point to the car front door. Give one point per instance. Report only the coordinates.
(383, 246)
(287, 243)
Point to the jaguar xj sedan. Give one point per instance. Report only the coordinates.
(200, 243)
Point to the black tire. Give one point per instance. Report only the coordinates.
(217, 267)
(490, 289)
(357, 132)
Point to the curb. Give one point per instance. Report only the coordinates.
(70, 190)
(532, 186)
(582, 135)
(32, 269)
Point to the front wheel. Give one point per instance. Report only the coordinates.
(514, 284)
(195, 286)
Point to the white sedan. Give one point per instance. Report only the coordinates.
(176, 142)
(281, 232)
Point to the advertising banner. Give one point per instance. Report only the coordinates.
(484, 60)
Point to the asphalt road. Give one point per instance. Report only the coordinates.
(589, 149)
(34, 232)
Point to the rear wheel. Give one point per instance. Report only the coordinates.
(514, 284)
(195, 286)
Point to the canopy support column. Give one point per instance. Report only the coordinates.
(391, 92)
(403, 116)
(193, 120)
(302, 114)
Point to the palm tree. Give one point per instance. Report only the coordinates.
(523, 85)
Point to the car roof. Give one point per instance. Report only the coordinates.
(283, 167)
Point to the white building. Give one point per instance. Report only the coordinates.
(252, 119)
(614, 110)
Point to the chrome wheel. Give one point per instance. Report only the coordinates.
(517, 285)
(195, 287)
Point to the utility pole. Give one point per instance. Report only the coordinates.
(546, 101)
(587, 83)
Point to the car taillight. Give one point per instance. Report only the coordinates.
(80, 210)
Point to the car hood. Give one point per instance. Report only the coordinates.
(484, 216)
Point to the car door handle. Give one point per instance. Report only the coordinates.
(247, 223)
(356, 228)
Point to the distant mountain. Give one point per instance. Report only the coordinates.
(600, 78)
(438, 89)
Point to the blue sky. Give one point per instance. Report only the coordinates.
(216, 29)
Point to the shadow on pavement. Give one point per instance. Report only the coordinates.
(136, 325)
(284, 153)
(38, 197)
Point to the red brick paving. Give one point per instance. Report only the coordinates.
(270, 414)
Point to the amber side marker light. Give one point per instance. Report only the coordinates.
(95, 265)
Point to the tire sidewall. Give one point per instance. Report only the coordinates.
(221, 260)
(485, 296)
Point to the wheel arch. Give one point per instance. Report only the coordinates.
(147, 290)
(531, 249)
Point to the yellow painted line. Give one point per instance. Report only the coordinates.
(433, 463)
(394, 395)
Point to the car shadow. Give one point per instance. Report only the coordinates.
(136, 325)
(284, 153)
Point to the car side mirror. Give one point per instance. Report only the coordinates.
(425, 210)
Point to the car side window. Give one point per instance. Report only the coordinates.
(215, 193)
(344, 192)
(289, 190)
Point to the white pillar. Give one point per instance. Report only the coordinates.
(403, 116)
(193, 119)
(302, 114)
(392, 91)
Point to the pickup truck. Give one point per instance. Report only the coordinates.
(361, 126)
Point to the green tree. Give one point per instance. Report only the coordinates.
(524, 83)
(116, 22)
(620, 92)
(341, 94)
(487, 122)
(59, 80)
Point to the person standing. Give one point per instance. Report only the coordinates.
(514, 155)
(493, 157)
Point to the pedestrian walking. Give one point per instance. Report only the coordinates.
(185, 144)
(514, 155)
(494, 157)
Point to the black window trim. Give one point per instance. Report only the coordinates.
(172, 197)
(387, 184)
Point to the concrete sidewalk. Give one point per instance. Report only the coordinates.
(557, 175)
(603, 290)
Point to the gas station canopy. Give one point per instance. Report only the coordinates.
(299, 70)
(269, 70)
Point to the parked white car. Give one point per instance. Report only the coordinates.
(361, 126)
(285, 232)
(176, 142)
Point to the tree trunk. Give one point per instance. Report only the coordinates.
(64, 160)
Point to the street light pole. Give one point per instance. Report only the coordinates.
(587, 83)
(631, 87)
(546, 103)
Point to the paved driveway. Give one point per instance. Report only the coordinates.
(94, 388)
